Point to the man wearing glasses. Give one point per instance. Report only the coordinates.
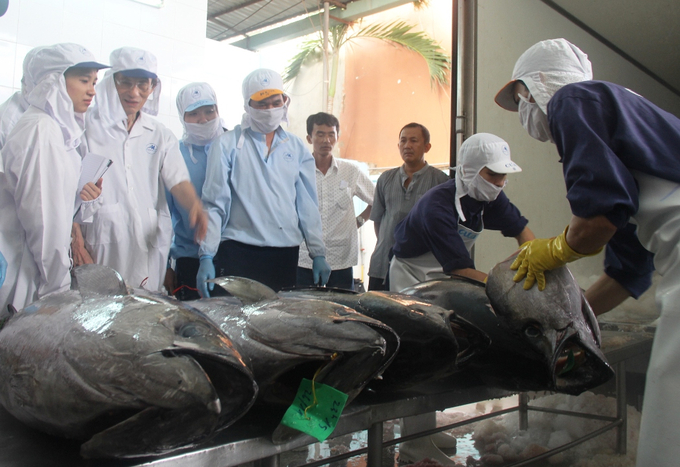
(131, 231)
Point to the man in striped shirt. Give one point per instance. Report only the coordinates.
(396, 192)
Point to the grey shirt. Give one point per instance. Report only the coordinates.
(391, 203)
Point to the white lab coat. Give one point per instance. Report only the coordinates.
(10, 112)
(132, 231)
(39, 184)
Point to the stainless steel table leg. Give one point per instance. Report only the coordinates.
(621, 408)
(523, 404)
(375, 440)
(271, 461)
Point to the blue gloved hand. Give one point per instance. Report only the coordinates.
(3, 269)
(205, 271)
(321, 270)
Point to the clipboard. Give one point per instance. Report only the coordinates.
(93, 167)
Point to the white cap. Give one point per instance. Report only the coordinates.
(193, 96)
(133, 62)
(478, 151)
(486, 150)
(261, 84)
(60, 57)
(544, 68)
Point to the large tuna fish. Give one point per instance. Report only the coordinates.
(133, 374)
(545, 340)
(435, 342)
(285, 340)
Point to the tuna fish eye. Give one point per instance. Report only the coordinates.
(532, 331)
(192, 330)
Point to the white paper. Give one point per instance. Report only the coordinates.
(93, 166)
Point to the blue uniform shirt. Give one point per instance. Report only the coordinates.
(432, 225)
(259, 198)
(183, 245)
(603, 131)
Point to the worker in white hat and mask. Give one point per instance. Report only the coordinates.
(436, 237)
(260, 193)
(197, 108)
(621, 167)
(435, 240)
(132, 231)
(39, 172)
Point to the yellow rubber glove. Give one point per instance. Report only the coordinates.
(543, 254)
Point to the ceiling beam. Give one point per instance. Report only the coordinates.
(311, 24)
(231, 9)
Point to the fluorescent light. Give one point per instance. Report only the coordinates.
(153, 3)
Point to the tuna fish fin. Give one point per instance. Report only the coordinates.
(97, 280)
(246, 290)
(591, 319)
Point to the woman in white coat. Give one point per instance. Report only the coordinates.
(40, 168)
(132, 231)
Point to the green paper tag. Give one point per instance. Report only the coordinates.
(322, 417)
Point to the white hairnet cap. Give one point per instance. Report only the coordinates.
(193, 96)
(478, 151)
(136, 63)
(30, 70)
(58, 58)
(261, 84)
(544, 68)
(486, 150)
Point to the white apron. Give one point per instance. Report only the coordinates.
(658, 220)
(406, 272)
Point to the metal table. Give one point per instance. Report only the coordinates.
(24, 447)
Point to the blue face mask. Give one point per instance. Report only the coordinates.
(533, 119)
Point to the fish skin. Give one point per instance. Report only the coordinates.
(435, 342)
(287, 339)
(528, 329)
(126, 373)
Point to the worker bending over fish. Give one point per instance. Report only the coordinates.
(621, 166)
(436, 237)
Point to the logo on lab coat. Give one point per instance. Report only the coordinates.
(288, 157)
(151, 148)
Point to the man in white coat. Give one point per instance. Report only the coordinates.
(39, 172)
(132, 230)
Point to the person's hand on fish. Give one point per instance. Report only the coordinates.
(540, 255)
(3, 269)
(206, 271)
(321, 270)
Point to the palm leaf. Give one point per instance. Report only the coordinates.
(309, 50)
(398, 33)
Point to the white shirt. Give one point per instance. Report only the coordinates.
(336, 191)
(39, 181)
(10, 112)
(132, 231)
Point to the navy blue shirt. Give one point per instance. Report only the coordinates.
(432, 225)
(603, 131)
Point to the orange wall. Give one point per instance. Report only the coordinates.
(386, 87)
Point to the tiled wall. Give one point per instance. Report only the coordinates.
(175, 33)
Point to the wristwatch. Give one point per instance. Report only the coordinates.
(360, 221)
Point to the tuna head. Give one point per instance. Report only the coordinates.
(132, 374)
(556, 329)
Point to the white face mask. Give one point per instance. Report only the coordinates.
(482, 190)
(533, 119)
(201, 134)
(266, 120)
